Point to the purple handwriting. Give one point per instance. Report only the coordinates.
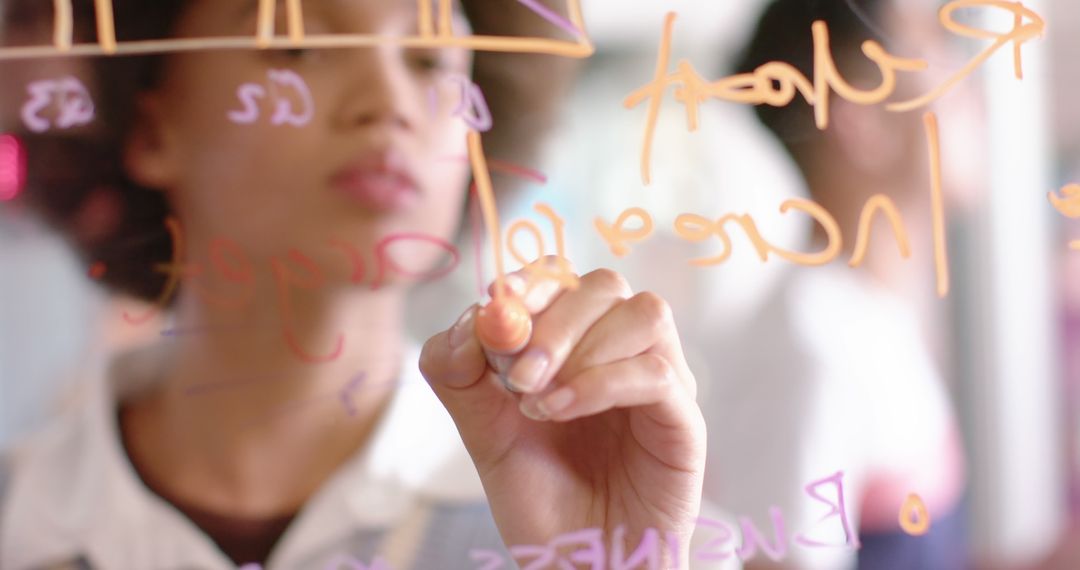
(339, 562)
(552, 17)
(346, 562)
(68, 95)
(207, 387)
(345, 395)
(752, 537)
(350, 388)
(179, 331)
(655, 550)
(472, 106)
(279, 82)
(587, 546)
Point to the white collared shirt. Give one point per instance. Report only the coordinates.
(411, 497)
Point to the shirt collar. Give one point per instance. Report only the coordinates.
(74, 492)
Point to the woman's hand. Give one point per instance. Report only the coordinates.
(605, 431)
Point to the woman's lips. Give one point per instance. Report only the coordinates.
(377, 187)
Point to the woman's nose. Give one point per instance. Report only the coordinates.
(381, 92)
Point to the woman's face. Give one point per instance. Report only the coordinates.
(303, 149)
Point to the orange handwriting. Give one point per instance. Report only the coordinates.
(541, 266)
(696, 228)
(914, 517)
(777, 83)
(617, 236)
(485, 194)
(1068, 204)
(937, 206)
(265, 37)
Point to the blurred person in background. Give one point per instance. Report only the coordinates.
(843, 368)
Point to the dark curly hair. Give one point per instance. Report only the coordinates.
(65, 171)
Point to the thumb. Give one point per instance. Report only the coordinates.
(454, 364)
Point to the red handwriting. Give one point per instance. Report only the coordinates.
(389, 265)
(310, 278)
(292, 272)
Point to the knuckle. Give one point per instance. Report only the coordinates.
(557, 262)
(610, 280)
(659, 368)
(653, 310)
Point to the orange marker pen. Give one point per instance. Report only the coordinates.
(504, 328)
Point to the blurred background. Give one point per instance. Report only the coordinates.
(971, 401)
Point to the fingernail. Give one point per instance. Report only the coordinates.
(529, 370)
(500, 363)
(463, 328)
(555, 402)
(530, 407)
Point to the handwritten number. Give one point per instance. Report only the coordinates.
(76, 107)
(74, 103)
(280, 82)
(283, 113)
(247, 93)
(40, 97)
